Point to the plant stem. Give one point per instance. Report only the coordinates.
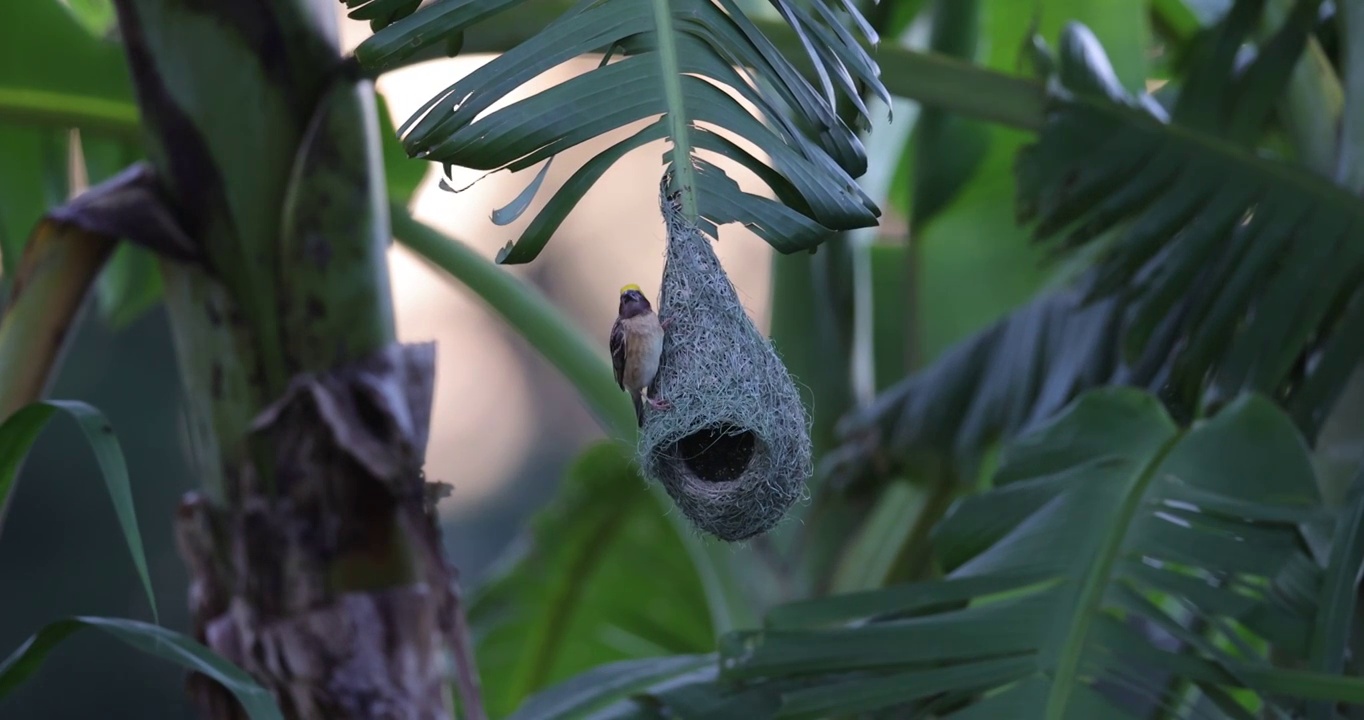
(1181, 21)
(319, 417)
(59, 265)
(964, 88)
(679, 130)
(25, 105)
(1351, 170)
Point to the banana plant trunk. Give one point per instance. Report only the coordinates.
(315, 560)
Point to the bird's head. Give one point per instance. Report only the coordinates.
(633, 302)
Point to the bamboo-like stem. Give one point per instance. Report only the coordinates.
(322, 544)
(56, 272)
(679, 127)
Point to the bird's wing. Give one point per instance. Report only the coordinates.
(618, 352)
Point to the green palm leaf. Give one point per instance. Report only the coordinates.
(993, 385)
(53, 76)
(1206, 222)
(678, 60)
(1107, 520)
(1196, 292)
(599, 577)
(606, 685)
(154, 640)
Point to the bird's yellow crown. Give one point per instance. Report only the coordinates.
(628, 288)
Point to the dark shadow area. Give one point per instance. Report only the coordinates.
(717, 453)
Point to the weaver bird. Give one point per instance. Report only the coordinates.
(636, 345)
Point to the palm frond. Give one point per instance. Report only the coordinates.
(1199, 291)
(993, 386)
(610, 683)
(1261, 257)
(684, 66)
(380, 13)
(1116, 549)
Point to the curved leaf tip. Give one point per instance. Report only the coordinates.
(151, 639)
(21, 430)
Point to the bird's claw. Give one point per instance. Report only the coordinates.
(665, 322)
(659, 404)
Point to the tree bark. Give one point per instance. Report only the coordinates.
(315, 562)
(345, 440)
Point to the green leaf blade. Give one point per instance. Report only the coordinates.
(600, 578)
(147, 638)
(601, 685)
(1094, 516)
(21, 430)
(1331, 633)
(667, 48)
(17, 435)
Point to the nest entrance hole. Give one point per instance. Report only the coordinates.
(717, 453)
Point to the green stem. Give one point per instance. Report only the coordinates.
(1180, 21)
(1351, 170)
(39, 107)
(55, 274)
(670, 72)
(552, 333)
(963, 88)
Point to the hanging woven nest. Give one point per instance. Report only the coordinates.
(733, 450)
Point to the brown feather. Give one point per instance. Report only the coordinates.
(618, 352)
(636, 345)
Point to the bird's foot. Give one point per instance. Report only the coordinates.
(660, 404)
(665, 322)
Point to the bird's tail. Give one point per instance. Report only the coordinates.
(639, 407)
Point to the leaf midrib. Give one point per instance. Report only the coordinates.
(564, 602)
(671, 76)
(1096, 580)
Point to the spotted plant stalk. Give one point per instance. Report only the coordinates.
(315, 561)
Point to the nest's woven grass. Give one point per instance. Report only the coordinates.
(733, 450)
